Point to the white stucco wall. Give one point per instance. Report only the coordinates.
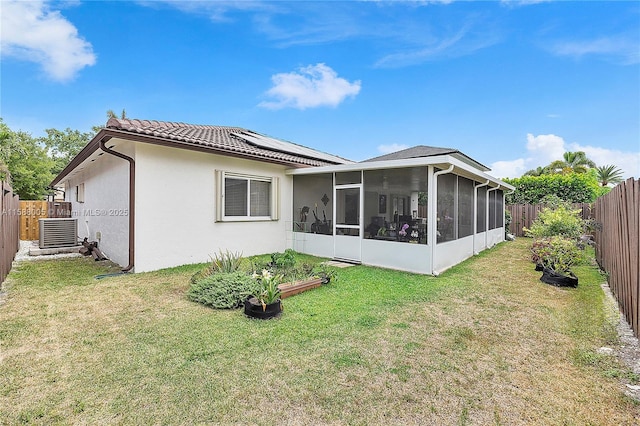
(175, 209)
(105, 210)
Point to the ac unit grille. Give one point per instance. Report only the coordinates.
(58, 232)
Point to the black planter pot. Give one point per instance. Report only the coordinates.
(254, 309)
(550, 276)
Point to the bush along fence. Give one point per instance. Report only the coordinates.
(9, 227)
(523, 215)
(618, 246)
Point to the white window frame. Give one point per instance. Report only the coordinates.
(80, 193)
(221, 216)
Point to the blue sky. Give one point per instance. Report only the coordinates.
(511, 84)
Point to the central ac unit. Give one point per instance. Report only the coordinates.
(58, 232)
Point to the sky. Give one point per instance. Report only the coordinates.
(512, 84)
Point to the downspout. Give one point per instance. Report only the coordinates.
(475, 212)
(487, 213)
(434, 216)
(132, 200)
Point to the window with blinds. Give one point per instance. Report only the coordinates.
(244, 197)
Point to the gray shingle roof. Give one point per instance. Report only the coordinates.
(427, 151)
(414, 152)
(227, 139)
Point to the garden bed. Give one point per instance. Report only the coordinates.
(290, 289)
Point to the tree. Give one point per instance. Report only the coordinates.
(64, 145)
(26, 159)
(110, 114)
(608, 174)
(573, 162)
(538, 171)
(578, 161)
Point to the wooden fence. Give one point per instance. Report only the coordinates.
(9, 223)
(617, 246)
(523, 215)
(32, 211)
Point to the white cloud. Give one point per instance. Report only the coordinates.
(543, 149)
(310, 87)
(33, 32)
(622, 49)
(466, 40)
(503, 169)
(388, 149)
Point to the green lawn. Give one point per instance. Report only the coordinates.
(484, 343)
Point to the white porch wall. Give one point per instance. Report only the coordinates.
(479, 243)
(495, 236)
(451, 253)
(394, 255)
(175, 209)
(106, 194)
(313, 244)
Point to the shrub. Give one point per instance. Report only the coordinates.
(557, 221)
(283, 260)
(226, 261)
(222, 262)
(572, 188)
(223, 290)
(557, 253)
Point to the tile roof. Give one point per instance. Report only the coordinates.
(227, 139)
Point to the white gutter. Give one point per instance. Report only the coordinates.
(475, 212)
(433, 217)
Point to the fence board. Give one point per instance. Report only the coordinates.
(9, 226)
(618, 246)
(30, 212)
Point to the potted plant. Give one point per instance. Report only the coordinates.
(556, 255)
(266, 303)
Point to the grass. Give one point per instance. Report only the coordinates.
(484, 343)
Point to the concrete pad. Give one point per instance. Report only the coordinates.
(338, 264)
(37, 251)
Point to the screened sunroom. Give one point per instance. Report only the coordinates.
(422, 210)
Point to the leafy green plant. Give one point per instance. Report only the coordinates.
(226, 261)
(325, 272)
(267, 291)
(560, 220)
(222, 262)
(556, 253)
(223, 290)
(283, 260)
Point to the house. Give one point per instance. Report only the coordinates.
(160, 194)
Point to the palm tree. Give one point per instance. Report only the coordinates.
(578, 161)
(558, 167)
(538, 171)
(608, 174)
